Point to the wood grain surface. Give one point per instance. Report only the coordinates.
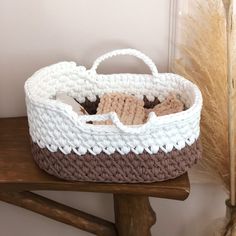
(60, 212)
(134, 215)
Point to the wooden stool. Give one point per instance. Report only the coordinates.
(19, 175)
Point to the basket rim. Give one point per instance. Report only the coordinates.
(80, 120)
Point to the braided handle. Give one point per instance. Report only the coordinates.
(131, 52)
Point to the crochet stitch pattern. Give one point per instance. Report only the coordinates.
(63, 141)
(129, 109)
(55, 126)
(170, 105)
(117, 168)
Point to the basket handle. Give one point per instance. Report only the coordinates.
(112, 116)
(128, 51)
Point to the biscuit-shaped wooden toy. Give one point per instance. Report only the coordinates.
(129, 109)
(170, 105)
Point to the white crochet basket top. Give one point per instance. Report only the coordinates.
(55, 125)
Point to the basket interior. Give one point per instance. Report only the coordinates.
(91, 107)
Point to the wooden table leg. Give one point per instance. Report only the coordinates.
(133, 215)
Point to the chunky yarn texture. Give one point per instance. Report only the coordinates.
(129, 109)
(57, 131)
(129, 168)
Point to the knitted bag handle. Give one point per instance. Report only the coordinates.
(128, 51)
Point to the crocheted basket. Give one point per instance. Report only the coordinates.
(70, 147)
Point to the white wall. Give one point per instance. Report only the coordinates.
(38, 33)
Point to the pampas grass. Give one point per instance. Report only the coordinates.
(209, 60)
(204, 61)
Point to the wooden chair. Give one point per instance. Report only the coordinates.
(19, 175)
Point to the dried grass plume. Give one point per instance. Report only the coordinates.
(204, 61)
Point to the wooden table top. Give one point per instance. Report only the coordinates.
(18, 172)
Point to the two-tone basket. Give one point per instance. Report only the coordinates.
(69, 146)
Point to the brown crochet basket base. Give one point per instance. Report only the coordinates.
(117, 168)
